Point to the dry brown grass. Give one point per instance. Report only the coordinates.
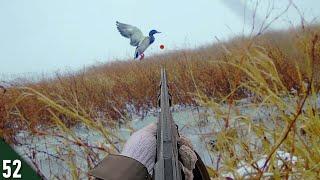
(276, 70)
(251, 148)
(109, 88)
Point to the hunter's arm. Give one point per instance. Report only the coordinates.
(115, 167)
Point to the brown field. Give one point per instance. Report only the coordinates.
(274, 64)
(107, 88)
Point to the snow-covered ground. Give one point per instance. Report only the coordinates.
(49, 148)
(198, 124)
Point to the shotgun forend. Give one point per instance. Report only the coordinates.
(167, 164)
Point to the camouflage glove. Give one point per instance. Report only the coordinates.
(188, 157)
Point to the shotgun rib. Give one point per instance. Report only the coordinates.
(167, 164)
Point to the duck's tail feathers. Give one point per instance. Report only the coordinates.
(136, 54)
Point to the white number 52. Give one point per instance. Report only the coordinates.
(6, 167)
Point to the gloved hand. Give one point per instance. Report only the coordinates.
(188, 156)
(142, 145)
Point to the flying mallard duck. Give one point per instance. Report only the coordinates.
(136, 38)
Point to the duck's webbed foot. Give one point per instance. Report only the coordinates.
(141, 56)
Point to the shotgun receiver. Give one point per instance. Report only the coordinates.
(167, 164)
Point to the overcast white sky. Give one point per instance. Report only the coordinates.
(42, 36)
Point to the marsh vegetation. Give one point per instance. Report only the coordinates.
(276, 73)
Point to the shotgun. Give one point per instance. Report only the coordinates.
(167, 164)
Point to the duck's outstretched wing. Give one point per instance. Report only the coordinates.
(133, 33)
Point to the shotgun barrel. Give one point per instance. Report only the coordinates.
(167, 164)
